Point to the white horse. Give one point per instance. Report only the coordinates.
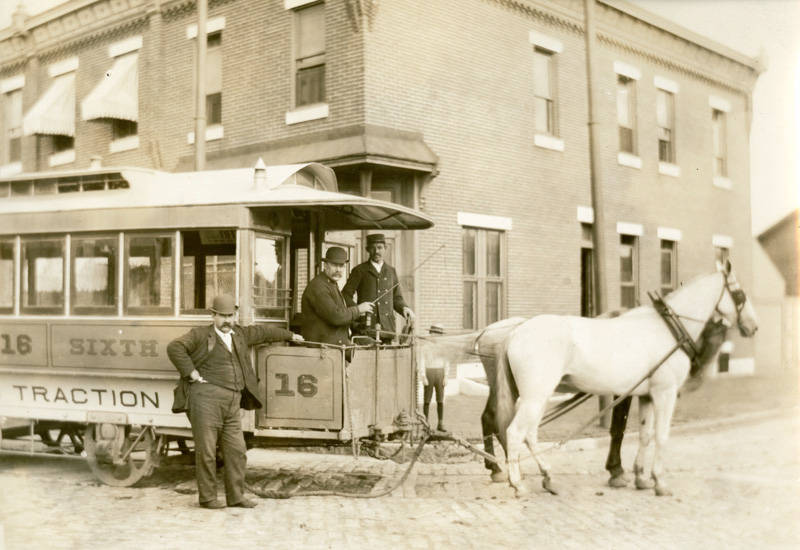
(610, 356)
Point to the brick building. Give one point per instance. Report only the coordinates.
(474, 111)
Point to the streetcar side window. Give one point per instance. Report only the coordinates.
(271, 293)
(94, 275)
(43, 276)
(208, 267)
(6, 276)
(149, 274)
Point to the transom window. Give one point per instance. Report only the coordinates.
(483, 277)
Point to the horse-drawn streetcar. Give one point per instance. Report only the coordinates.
(100, 269)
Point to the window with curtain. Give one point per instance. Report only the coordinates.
(94, 275)
(309, 58)
(42, 283)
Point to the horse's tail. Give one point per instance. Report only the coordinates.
(507, 394)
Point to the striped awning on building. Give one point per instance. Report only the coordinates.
(54, 112)
(117, 93)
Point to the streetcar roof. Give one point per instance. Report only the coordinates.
(306, 186)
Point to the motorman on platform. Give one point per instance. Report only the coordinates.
(326, 317)
(215, 360)
(376, 282)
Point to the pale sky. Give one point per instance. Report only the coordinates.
(751, 27)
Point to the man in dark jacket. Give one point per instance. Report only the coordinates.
(325, 315)
(376, 281)
(215, 359)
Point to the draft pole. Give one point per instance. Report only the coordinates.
(200, 87)
(598, 227)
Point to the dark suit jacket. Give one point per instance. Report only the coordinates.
(368, 284)
(326, 316)
(189, 351)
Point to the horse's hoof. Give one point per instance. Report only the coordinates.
(663, 492)
(617, 482)
(521, 491)
(644, 483)
(499, 476)
(547, 485)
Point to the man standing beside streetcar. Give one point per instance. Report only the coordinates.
(215, 359)
(376, 281)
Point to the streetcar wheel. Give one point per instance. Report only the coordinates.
(119, 455)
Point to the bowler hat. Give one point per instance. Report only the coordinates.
(336, 255)
(436, 328)
(375, 238)
(224, 304)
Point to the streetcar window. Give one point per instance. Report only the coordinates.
(149, 274)
(43, 276)
(5, 189)
(271, 295)
(6, 276)
(208, 267)
(21, 188)
(94, 269)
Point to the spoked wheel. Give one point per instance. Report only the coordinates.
(121, 455)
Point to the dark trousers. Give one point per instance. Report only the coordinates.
(435, 382)
(214, 414)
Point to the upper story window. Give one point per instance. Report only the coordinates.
(665, 117)
(719, 133)
(544, 93)
(309, 57)
(626, 113)
(12, 119)
(214, 79)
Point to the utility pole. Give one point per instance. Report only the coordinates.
(598, 227)
(200, 87)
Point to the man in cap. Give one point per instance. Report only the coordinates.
(432, 370)
(326, 316)
(376, 281)
(215, 360)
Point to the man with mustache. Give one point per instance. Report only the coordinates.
(326, 316)
(215, 361)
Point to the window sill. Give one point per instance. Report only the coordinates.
(11, 169)
(548, 142)
(723, 183)
(306, 113)
(62, 157)
(213, 132)
(630, 160)
(669, 169)
(123, 144)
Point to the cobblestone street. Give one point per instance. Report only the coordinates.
(736, 484)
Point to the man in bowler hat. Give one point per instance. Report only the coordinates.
(215, 359)
(326, 316)
(376, 281)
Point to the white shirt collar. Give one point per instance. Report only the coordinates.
(226, 338)
(377, 266)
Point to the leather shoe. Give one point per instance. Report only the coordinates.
(212, 504)
(246, 503)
